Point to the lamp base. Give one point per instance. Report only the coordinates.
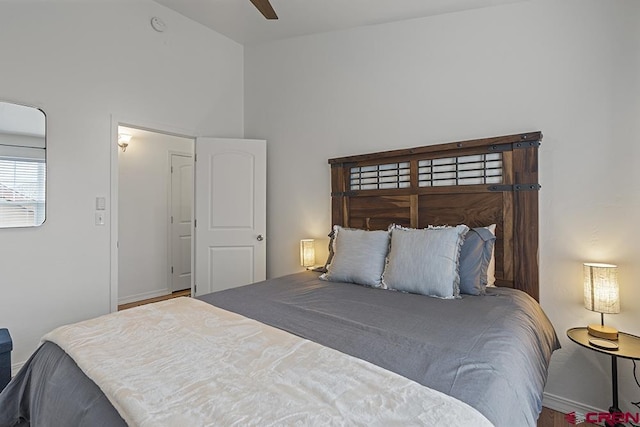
(603, 344)
(601, 331)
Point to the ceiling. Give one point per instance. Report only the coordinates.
(240, 20)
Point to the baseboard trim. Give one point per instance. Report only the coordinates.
(566, 406)
(145, 295)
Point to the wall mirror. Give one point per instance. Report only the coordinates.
(23, 165)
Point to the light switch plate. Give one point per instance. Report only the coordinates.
(99, 218)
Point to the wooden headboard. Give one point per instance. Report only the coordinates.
(477, 183)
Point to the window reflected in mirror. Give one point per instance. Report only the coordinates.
(23, 166)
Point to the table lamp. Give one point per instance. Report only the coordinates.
(602, 295)
(307, 253)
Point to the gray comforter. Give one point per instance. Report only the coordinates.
(491, 351)
(51, 391)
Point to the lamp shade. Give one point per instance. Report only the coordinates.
(307, 253)
(601, 291)
(124, 137)
(123, 141)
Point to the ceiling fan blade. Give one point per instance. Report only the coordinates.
(265, 8)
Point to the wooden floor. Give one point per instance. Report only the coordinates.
(548, 417)
(551, 418)
(185, 293)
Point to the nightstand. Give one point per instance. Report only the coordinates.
(628, 348)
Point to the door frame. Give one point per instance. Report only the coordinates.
(150, 126)
(169, 208)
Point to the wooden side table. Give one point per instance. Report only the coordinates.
(628, 348)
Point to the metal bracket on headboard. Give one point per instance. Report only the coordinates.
(344, 193)
(515, 187)
(496, 148)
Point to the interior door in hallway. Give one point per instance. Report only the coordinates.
(230, 213)
(180, 221)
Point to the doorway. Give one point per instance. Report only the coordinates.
(154, 210)
(232, 250)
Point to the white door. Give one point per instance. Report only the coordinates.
(180, 221)
(230, 213)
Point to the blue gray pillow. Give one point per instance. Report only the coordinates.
(425, 261)
(358, 256)
(475, 256)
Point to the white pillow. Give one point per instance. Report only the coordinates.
(425, 261)
(491, 269)
(359, 256)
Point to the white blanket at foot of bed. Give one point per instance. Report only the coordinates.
(183, 362)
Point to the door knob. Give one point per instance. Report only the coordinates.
(260, 237)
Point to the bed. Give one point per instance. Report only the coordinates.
(302, 350)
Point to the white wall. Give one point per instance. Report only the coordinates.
(82, 62)
(143, 213)
(570, 68)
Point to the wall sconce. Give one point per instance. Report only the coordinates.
(123, 141)
(602, 295)
(307, 253)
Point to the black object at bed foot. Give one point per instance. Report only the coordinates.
(6, 345)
